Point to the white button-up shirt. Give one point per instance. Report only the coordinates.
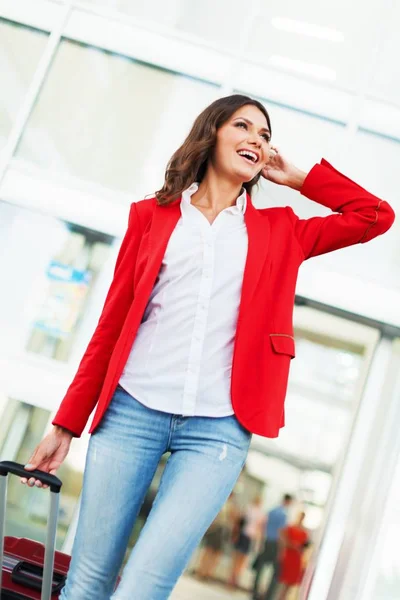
(181, 360)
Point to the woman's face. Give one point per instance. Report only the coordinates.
(242, 147)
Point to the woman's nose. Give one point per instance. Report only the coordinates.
(255, 141)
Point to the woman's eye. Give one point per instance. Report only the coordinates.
(241, 124)
(266, 137)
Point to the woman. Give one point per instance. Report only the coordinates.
(249, 534)
(217, 536)
(213, 548)
(191, 354)
(294, 539)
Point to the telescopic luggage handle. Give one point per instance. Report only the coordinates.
(55, 484)
(7, 466)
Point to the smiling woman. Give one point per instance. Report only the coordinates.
(220, 130)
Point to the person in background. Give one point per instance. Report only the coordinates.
(216, 537)
(276, 521)
(294, 539)
(248, 534)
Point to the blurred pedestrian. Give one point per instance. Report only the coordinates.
(295, 539)
(216, 539)
(276, 521)
(249, 533)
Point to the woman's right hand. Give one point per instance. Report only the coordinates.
(49, 454)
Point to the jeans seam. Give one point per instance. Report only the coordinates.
(171, 428)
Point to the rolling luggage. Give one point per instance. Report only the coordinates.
(26, 566)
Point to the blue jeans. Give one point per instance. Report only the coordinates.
(207, 455)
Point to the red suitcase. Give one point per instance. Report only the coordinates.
(27, 566)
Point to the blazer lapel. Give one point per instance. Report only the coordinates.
(258, 231)
(163, 223)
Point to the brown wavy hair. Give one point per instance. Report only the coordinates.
(189, 162)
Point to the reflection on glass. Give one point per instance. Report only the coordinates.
(51, 268)
(108, 119)
(20, 50)
(69, 276)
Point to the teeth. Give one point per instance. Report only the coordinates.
(249, 154)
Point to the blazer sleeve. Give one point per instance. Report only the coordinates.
(83, 393)
(360, 216)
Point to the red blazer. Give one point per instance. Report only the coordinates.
(264, 345)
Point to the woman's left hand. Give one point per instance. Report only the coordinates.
(282, 172)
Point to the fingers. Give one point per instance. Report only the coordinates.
(36, 461)
(32, 482)
(30, 466)
(273, 152)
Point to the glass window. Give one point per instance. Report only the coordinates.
(20, 50)
(373, 161)
(56, 268)
(28, 508)
(319, 41)
(385, 80)
(110, 120)
(386, 567)
(220, 23)
(160, 11)
(322, 390)
(200, 19)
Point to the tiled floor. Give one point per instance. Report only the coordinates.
(190, 589)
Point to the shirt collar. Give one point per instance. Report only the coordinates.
(239, 207)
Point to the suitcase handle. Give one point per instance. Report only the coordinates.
(31, 576)
(7, 466)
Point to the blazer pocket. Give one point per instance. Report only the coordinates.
(283, 343)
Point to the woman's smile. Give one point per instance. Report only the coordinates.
(247, 134)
